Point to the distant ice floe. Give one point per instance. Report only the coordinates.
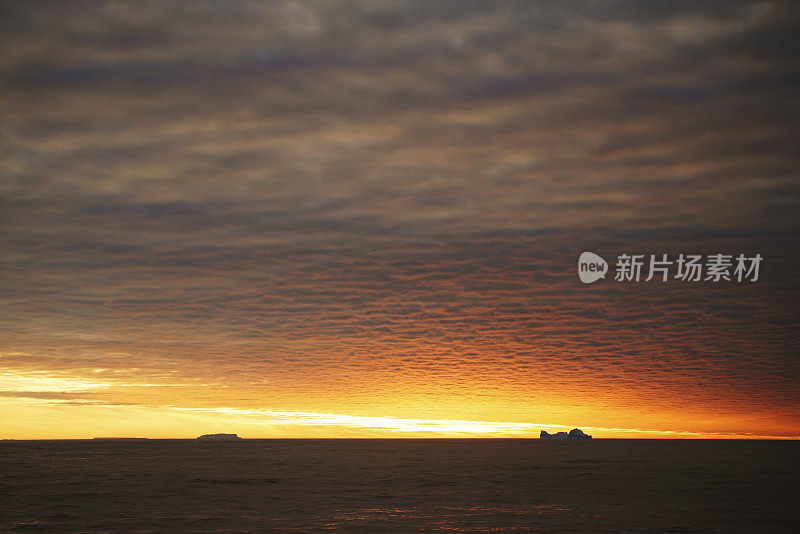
(219, 437)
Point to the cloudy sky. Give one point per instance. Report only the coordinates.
(363, 219)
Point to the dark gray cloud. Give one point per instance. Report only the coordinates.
(366, 195)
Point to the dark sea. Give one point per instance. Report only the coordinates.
(400, 486)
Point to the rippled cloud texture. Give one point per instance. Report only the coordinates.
(375, 210)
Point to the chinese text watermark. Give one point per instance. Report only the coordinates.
(663, 267)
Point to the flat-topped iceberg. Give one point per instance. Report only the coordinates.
(219, 437)
(575, 433)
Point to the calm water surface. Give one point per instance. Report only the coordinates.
(399, 486)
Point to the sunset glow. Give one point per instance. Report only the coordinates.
(308, 220)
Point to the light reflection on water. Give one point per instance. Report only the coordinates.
(399, 486)
(446, 518)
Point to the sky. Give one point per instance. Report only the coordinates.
(363, 219)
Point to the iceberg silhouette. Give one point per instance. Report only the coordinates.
(219, 437)
(575, 433)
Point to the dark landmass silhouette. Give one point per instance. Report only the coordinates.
(575, 433)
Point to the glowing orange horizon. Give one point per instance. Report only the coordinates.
(50, 405)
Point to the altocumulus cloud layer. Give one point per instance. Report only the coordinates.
(376, 208)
